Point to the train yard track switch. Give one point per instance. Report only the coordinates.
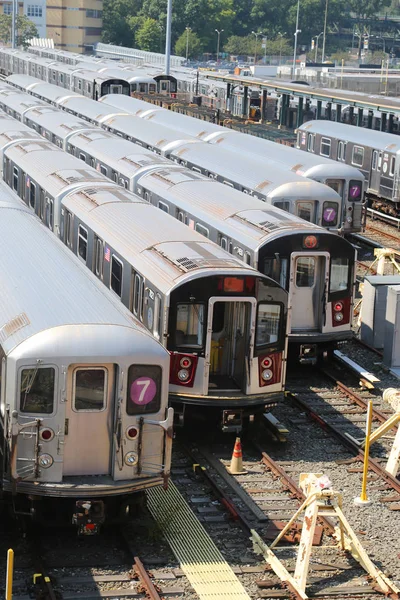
(321, 501)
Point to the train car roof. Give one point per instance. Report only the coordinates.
(358, 135)
(20, 101)
(163, 249)
(50, 92)
(30, 299)
(59, 122)
(50, 167)
(91, 109)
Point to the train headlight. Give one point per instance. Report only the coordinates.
(183, 375)
(349, 219)
(131, 459)
(338, 317)
(267, 374)
(45, 461)
(46, 434)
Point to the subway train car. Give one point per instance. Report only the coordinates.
(308, 199)
(344, 179)
(191, 198)
(223, 323)
(88, 83)
(84, 423)
(375, 153)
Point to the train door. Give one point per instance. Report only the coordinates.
(229, 342)
(88, 420)
(375, 172)
(307, 293)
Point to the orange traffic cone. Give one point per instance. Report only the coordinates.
(236, 467)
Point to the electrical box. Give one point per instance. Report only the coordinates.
(391, 349)
(373, 308)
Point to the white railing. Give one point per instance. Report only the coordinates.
(375, 214)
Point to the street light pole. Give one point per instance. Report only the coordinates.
(188, 29)
(14, 23)
(324, 32)
(280, 46)
(265, 49)
(257, 33)
(295, 39)
(219, 35)
(168, 38)
(316, 45)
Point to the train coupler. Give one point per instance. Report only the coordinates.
(308, 354)
(232, 421)
(89, 516)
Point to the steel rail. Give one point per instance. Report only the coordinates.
(148, 586)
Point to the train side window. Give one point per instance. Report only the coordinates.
(340, 151)
(391, 170)
(305, 271)
(82, 242)
(310, 142)
(203, 230)
(90, 387)
(380, 161)
(32, 195)
(325, 149)
(103, 170)
(164, 207)
(137, 288)
(15, 179)
(180, 216)
(248, 258)
(82, 156)
(147, 196)
(69, 230)
(358, 156)
(223, 242)
(374, 160)
(37, 390)
(144, 389)
(116, 275)
(49, 218)
(99, 257)
(196, 169)
(157, 316)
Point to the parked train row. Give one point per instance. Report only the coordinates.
(218, 154)
(220, 214)
(376, 154)
(84, 387)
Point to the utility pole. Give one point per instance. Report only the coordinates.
(219, 36)
(168, 38)
(14, 23)
(324, 38)
(188, 29)
(295, 39)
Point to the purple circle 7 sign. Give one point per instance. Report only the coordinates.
(143, 390)
(329, 215)
(355, 191)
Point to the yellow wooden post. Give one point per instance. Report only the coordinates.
(10, 574)
(363, 499)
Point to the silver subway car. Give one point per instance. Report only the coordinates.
(84, 421)
(223, 323)
(375, 153)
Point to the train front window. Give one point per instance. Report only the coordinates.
(305, 210)
(277, 269)
(37, 390)
(89, 389)
(268, 326)
(339, 279)
(305, 271)
(190, 325)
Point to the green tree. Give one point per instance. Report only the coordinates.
(195, 45)
(147, 36)
(26, 29)
(364, 9)
(116, 14)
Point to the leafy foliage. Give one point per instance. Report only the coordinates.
(142, 23)
(194, 44)
(26, 29)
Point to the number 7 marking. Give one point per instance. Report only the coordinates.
(145, 384)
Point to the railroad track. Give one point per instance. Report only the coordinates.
(381, 235)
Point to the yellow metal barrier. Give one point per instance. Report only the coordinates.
(10, 574)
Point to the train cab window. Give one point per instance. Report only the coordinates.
(82, 156)
(144, 389)
(164, 207)
(116, 276)
(268, 323)
(15, 179)
(69, 230)
(32, 195)
(90, 386)
(358, 156)
(137, 294)
(203, 230)
(305, 271)
(277, 268)
(82, 242)
(190, 323)
(223, 242)
(103, 170)
(325, 149)
(311, 142)
(180, 216)
(49, 215)
(37, 390)
(391, 170)
(339, 279)
(305, 210)
(283, 206)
